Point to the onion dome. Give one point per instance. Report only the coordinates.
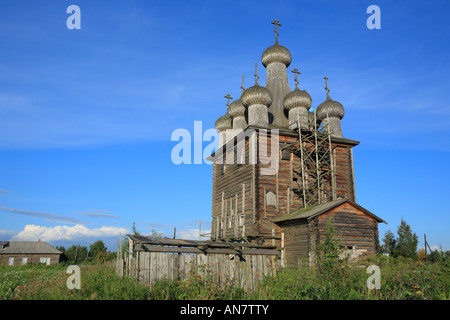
(224, 122)
(256, 94)
(297, 98)
(237, 108)
(329, 107)
(276, 53)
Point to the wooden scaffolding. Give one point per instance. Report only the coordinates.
(315, 180)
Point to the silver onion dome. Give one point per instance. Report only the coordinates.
(329, 108)
(236, 108)
(257, 95)
(276, 53)
(297, 98)
(223, 122)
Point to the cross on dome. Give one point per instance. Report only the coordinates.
(275, 22)
(228, 97)
(296, 73)
(256, 73)
(326, 86)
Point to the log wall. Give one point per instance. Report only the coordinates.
(353, 228)
(248, 197)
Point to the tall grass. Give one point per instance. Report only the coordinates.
(401, 279)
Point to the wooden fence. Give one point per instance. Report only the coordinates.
(239, 264)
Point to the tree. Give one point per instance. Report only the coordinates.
(135, 232)
(77, 253)
(389, 242)
(61, 248)
(96, 248)
(124, 245)
(328, 251)
(407, 241)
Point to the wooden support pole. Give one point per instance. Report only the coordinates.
(425, 244)
(302, 159)
(236, 217)
(243, 210)
(278, 168)
(130, 254)
(265, 203)
(283, 253)
(220, 225)
(288, 200)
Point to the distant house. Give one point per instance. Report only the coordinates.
(23, 252)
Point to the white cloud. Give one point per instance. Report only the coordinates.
(33, 232)
(190, 234)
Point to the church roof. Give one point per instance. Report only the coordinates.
(309, 213)
(278, 97)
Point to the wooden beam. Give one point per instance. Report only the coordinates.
(202, 250)
(142, 240)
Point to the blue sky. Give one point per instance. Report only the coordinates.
(86, 116)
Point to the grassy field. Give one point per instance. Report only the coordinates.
(401, 279)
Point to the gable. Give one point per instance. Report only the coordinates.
(330, 207)
(348, 209)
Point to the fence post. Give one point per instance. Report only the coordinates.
(283, 253)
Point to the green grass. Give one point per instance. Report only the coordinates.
(400, 280)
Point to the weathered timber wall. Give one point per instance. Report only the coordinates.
(248, 197)
(344, 171)
(296, 243)
(278, 186)
(233, 198)
(224, 269)
(352, 227)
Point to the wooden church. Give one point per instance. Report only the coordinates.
(283, 169)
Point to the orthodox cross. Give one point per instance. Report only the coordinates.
(326, 86)
(242, 87)
(296, 73)
(275, 22)
(256, 73)
(228, 97)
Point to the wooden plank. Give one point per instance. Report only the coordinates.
(153, 267)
